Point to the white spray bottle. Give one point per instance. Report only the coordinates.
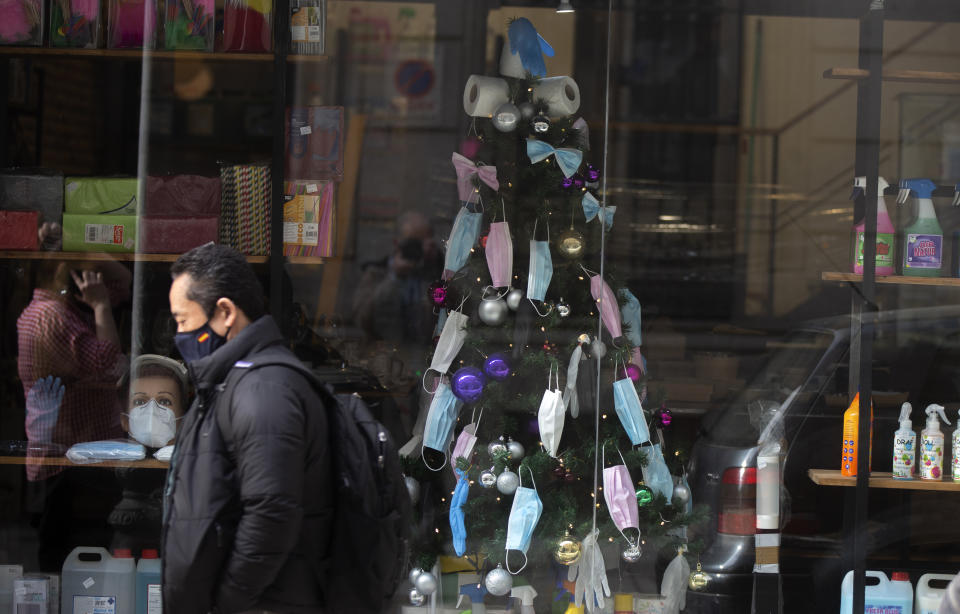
(904, 446)
(931, 444)
(955, 449)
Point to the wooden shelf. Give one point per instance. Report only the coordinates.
(900, 280)
(128, 257)
(62, 461)
(906, 76)
(137, 54)
(880, 479)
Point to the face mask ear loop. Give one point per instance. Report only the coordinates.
(532, 481)
(503, 207)
(424, 459)
(588, 271)
(477, 423)
(423, 381)
(499, 296)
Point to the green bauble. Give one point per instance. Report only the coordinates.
(644, 496)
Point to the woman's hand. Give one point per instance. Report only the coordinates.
(93, 291)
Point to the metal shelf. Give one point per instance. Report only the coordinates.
(880, 479)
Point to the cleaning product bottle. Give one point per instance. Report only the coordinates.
(149, 599)
(931, 444)
(904, 446)
(923, 239)
(851, 437)
(893, 595)
(885, 233)
(955, 449)
(931, 587)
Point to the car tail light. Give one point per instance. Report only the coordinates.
(738, 501)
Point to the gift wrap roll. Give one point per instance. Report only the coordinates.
(562, 95)
(483, 95)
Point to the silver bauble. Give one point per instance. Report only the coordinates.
(598, 349)
(540, 124)
(413, 488)
(563, 309)
(515, 448)
(681, 493)
(571, 244)
(527, 110)
(498, 581)
(417, 598)
(492, 312)
(583, 338)
(513, 299)
(507, 482)
(426, 583)
(631, 554)
(506, 116)
(414, 574)
(488, 479)
(496, 447)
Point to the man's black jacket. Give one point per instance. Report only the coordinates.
(248, 502)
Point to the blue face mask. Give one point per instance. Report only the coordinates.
(456, 513)
(463, 235)
(524, 516)
(541, 270)
(440, 421)
(627, 404)
(655, 473)
(199, 343)
(630, 314)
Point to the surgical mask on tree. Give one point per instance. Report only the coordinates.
(463, 236)
(450, 342)
(524, 515)
(440, 420)
(551, 415)
(499, 251)
(465, 442)
(621, 497)
(541, 268)
(627, 403)
(152, 424)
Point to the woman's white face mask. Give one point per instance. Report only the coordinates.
(152, 424)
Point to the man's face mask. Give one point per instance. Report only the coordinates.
(199, 343)
(152, 424)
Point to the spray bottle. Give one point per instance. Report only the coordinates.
(904, 446)
(931, 444)
(955, 449)
(884, 258)
(851, 437)
(525, 594)
(923, 239)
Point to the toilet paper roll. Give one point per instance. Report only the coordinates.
(483, 95)
(562, 95)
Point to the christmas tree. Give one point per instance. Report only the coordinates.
(537, 382)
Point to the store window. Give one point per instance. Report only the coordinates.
(593, 270)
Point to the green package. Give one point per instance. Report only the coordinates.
(91, 232)
(112, 195)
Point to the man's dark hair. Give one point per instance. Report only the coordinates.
(218, 271)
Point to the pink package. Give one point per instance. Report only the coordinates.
(182, 195)
(175, 235)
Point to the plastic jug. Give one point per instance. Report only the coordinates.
(889, 596)
(929, 597)
(95, 581)
(149, 597)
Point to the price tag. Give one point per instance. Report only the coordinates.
(305, 130)
(311, 188)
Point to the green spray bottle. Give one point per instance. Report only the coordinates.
(923, 238)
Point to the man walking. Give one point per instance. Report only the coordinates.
(248, 500)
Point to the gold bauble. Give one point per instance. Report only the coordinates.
(699, 579)
(568, 551)
(571, 244)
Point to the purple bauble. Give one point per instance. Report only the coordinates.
(593, 173)
(666, 416)
(437, 293)
(497, 367)
(566, 183)
(578, 181)
(467, 384)
(633, 371)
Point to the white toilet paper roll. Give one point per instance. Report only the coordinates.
(483, 95)
(562, 94)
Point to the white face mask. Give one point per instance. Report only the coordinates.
(152, 424)
(450, 342)
(550, 416)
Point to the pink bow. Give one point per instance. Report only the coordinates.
(466, 169)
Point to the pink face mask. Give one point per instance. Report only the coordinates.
(609, 308)
(465, 443)
(621, 498)
(500, 254)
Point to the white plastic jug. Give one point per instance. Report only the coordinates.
(95, 581)
(929, 597)
(889, 596)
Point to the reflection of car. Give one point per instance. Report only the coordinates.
(803, 389)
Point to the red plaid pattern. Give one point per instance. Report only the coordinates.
(55, 337)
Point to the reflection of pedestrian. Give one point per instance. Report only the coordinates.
(68, 331)
(155, 396)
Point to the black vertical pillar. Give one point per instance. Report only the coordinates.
(867, 163)
(281, 46)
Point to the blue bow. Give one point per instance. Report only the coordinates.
(568, 159)
(591, 207)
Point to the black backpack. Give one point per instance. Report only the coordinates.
(369, 544)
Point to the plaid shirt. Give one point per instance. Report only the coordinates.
(56, 337)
